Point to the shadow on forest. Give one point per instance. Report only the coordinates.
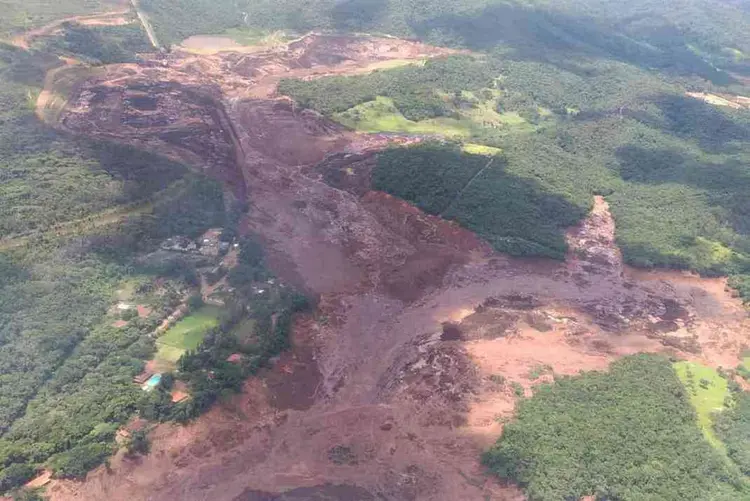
(358, 15)
(726, 181)
(726, 185)
(693, 119)
(142, 173)
(554, 36)
(515, 214)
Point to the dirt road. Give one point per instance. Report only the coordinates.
(143, 18)
(113, 18)
(388, 393)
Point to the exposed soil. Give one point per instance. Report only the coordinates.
(398, 381)
(114, 18)
(728, 100)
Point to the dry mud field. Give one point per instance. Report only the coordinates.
(387, 394)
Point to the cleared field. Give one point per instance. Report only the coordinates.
(707, 391)
(187, 334)
(480, 149)
(382, 115)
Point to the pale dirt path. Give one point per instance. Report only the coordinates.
(146, 24)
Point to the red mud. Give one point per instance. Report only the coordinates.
(372, 402)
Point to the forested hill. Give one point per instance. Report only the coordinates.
(584, 98)
(682, 34)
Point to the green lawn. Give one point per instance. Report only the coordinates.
(382, 115)
(480, 149)
(187, 334)
(706, 400)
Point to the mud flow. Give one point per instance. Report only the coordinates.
(405, 372)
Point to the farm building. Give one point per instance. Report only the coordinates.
(234, 358)
(142, 377)
(135, 425)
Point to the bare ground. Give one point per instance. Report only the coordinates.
(391, 391)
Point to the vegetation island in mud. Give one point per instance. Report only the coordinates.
(363, 250)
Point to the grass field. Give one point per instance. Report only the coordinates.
(187, 334)
(707, 398)
(480, 149)
(382, 115)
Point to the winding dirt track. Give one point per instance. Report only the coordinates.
(387, 393)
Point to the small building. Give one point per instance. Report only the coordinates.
(210, 244)
(234, 358)
(135, 425)
(179, 244)
(40, 480)
(142, 377)
(179, 396)
(143, 310)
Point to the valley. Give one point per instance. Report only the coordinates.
(391, 390)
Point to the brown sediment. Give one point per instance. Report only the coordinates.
(393, 387)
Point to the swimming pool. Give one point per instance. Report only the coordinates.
(152, 382)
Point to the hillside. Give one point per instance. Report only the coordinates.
(375, 250)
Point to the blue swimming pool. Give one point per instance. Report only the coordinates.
(152, 382)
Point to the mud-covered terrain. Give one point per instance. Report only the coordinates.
(389, 392)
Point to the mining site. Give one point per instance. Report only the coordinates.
(388, 393)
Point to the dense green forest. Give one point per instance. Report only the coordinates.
(733, 427)
(692, 36)
(674, 168)
(412, 88)
(517, 215)
(19, 15)
(99, 44)
(627, 434)
(575, 97)
(68, 356)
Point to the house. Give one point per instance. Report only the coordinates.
(234, 358)
(179, 396)
(179, 392)
(179, 244)
(135, 425)
(142, 377)
(210, 245)
(39, 481)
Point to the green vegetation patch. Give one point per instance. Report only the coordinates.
(19, 15)
(733, 427)
(417, 92)
(708, 393)
(67, 379)
(480, 149)
(187, 333)
(100, 44)
(515, 214)
(627, 434)
(381, 115)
